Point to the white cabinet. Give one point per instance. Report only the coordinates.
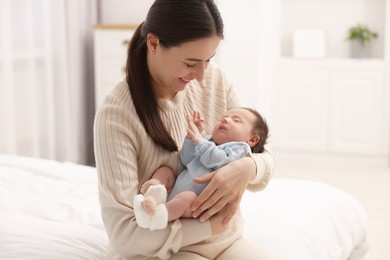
(358, 111)
(318, 108)
(301, 109)
(110, 53)
(335, 106)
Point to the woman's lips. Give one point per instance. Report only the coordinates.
(184, 80)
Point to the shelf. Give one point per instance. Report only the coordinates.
(115, 26)
(334, 62)
(334, 18)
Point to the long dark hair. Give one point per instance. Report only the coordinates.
(174, 22)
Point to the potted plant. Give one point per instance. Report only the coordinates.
(361, 37)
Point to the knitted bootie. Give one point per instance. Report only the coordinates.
(144, 219)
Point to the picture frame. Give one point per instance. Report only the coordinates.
(309, 43)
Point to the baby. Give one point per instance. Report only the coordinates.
(239, 132)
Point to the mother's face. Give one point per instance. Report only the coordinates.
(172, 68)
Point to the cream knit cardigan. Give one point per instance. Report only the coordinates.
(126, 157)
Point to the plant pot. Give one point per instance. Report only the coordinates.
(359, 50)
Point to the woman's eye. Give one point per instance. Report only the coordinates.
(191, 65)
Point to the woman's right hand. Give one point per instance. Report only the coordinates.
(216, 222)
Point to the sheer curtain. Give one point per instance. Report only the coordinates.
(46, 78)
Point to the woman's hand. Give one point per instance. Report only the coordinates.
(224, 191)
(216, 222)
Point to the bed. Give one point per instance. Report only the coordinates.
(50, 210)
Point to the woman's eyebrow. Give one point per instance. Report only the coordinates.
(195, 59)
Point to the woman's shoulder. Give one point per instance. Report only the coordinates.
(118, 112)
(120, 93)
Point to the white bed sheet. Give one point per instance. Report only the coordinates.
(50, 210)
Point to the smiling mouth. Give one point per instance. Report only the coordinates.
(185, 80)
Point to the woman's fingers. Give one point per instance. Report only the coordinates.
(212, 199)
(230, 213)
(206, 193)
(205, 178)
(215, 204)
(218, 194)
(212, 208)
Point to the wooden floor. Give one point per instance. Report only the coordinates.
(370, 185)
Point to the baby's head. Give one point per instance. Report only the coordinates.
(242, 125)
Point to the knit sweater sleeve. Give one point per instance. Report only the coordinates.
(125, 157)
(265, 166)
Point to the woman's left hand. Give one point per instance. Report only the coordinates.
(225, 189)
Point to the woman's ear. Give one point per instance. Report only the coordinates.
(254, 140)
(152, 42)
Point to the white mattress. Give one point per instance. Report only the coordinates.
(50, 210)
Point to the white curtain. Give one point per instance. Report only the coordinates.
(46, 78)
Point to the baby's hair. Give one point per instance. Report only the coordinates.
(260, 128)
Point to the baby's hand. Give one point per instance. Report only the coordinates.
(198, 121)
(193, 131)
(149, 183)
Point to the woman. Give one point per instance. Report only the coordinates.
(141, 126)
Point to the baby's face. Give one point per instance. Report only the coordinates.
(235, 126)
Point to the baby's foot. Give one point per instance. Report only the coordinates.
(150, 205)
(149, 183)
(157, 221)
(158, 192)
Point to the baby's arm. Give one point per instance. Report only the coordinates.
(163, 175)
(216, 156)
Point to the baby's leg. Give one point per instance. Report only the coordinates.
(163, 175)
(149, 183)
(180, 205)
